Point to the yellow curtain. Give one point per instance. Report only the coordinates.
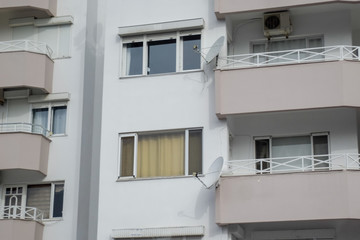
(127, 156)
(161, 154)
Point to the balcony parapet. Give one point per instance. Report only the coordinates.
(36, 8)
(297, 56)
(23, 127)
(331, 162)
(21, 213)
(35, 64)
(27, 46)
(225, 7)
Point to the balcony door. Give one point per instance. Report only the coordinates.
(14, 201)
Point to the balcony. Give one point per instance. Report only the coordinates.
(224, 7)
(26, 64)
(26, 8)
(24, 146)
(288, 80)
(289, 189)
(17, 223)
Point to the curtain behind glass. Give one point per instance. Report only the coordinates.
(58, 200)
(59, 120)
(38, 196)
(127, 156)
(291, 147)
(40, 117)
(161, 154)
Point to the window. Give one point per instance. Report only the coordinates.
(19, 200)
(288, 44)
(284, 150)
(55, 32)
(160, 154)
(51, 117)
(161, 53)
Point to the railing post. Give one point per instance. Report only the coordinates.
(341, 52)
(298, 56)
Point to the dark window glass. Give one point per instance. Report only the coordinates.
(262, 150)
(191, 58)
(195, 151)
(162, 56)
(134, 58)
(58, 200)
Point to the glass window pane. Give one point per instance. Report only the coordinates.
(40, 118)
(321, 147)
(59, 120)
(134, 58)
(191, 58)
(161, 154)
(38, 196)
(58, 200)
(162, 56)
(127, 156)
(262, 150)
(291, 147)
(195, 151)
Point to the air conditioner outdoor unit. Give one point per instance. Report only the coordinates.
(277, 23)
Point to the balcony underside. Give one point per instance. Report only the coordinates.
(288, 197)
(287, 87)
(224, 7)
(24, 151)
(23, 69)
(29, 8)
(20, 230)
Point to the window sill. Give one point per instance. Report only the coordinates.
(130, 179)
(162, 74)
(52, 220)
(58, 135)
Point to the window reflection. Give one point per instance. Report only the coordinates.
(162, 56)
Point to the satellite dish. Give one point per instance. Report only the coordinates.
(213, 173)
(214, 49)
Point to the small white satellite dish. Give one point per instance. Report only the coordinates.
(214, 49)
(213, 173)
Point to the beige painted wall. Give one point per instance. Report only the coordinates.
(288, 197)
(24, 151)
(20, 230)
(287, 87)
(223, 7)
(48, 7)
(37, 71)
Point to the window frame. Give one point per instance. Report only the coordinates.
(186, 152)
(50, 118)
(25, 187)
(311, 136)
(145, 38)
(307, 38)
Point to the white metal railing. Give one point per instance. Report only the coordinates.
(18, 212)
(348, 161)
(26, 45)
(23, 127)
(306, 55)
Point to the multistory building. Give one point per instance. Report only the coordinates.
(42, 46)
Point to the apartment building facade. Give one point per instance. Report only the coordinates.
(42, 58)
(113, 113)
(288, 92)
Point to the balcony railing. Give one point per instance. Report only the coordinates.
(26, 45)
(347, 161)
(23, 127)
(306, 55)
(24, 213)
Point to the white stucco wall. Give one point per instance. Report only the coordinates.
(150, 103)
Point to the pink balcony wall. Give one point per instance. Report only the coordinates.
(288, 197)
(287, 87)
(223, 7)
(26, 69)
